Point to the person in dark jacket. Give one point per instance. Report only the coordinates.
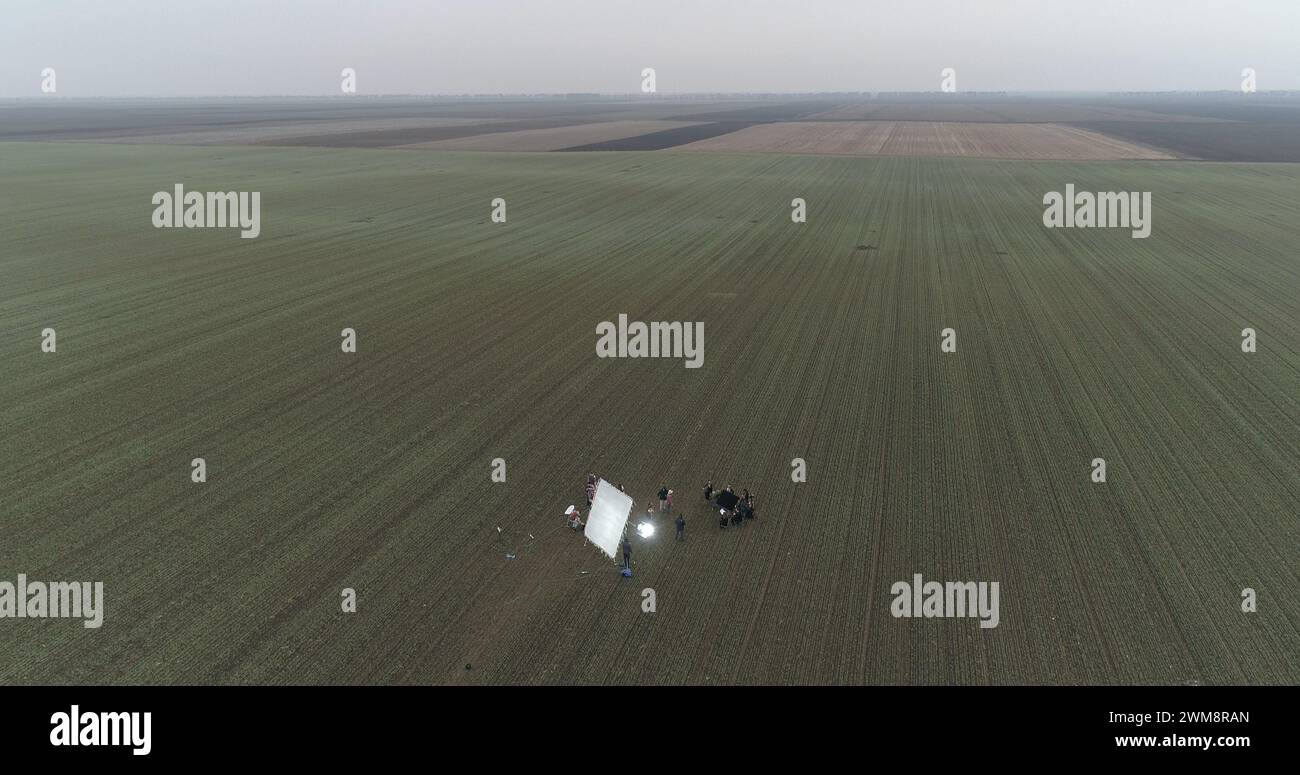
(627, 553)
(663, 498)
(708, 491)
(681, 527)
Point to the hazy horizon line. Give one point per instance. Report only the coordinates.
(659, 96)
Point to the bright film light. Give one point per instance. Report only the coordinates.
(645, 529)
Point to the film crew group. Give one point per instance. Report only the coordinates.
(731, 507)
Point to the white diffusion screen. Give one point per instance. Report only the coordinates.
(609, 512)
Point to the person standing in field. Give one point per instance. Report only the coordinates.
(627, 553)
(708, 491)
(681, 527)
(670, 501)
(591, 489)
(575, 518)
(663, 498)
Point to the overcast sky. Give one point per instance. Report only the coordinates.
(102, 48)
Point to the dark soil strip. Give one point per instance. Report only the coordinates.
(784, 111)
(1212, 142)
(1252, 109)
(666, 138)
(723, 122)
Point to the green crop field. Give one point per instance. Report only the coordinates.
(475, 341)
